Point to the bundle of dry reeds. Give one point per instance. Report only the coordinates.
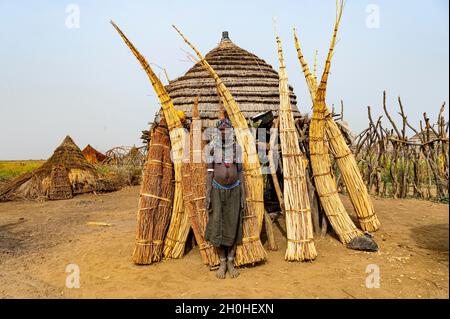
(251, 251)
(179, 223)
(155, 199)
(186, 186)
(197, 212)
(351, 175)
(273, 151)
(319, 152)
(299, 228)
(342, 154)
(178, 232)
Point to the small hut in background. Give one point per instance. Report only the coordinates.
(418, 138)
(92, 155)
(64, 174)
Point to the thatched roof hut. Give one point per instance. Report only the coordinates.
(66, 164)
(92, 155)
(253, 83)
(424, 135)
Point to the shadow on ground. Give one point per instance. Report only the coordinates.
(432, 237)
(10, 240)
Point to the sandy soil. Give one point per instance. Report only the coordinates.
(38, 240)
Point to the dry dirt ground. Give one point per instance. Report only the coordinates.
(38, 241)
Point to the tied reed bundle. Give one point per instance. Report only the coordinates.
(178, 232)
(273, 151)
(197, 212)
(179, 223)
(251, 251)
(155, 199)
(186, 186)
(299, 228)
(320, 160)
(342, 154)
(351, 175)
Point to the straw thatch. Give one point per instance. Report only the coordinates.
(92, 155)
(59, 184)
(252, 82)
(37, 184)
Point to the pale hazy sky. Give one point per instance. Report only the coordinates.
(84, 81)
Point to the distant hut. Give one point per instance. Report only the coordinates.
(135, 156)
(92, 155)
(63, 175)
(426, 136)
(253, 83)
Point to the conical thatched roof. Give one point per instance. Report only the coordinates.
(82, 175)
(92, 155)
(67, 154)
(253, 83)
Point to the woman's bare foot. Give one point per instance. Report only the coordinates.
(232, 271)
(220, 273)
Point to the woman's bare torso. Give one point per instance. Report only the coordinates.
(226, 168)
(225, 175)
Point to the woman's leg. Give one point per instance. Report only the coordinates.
(230, 262)
(220, 273)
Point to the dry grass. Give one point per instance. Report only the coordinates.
(120, 175)
(12, 169)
